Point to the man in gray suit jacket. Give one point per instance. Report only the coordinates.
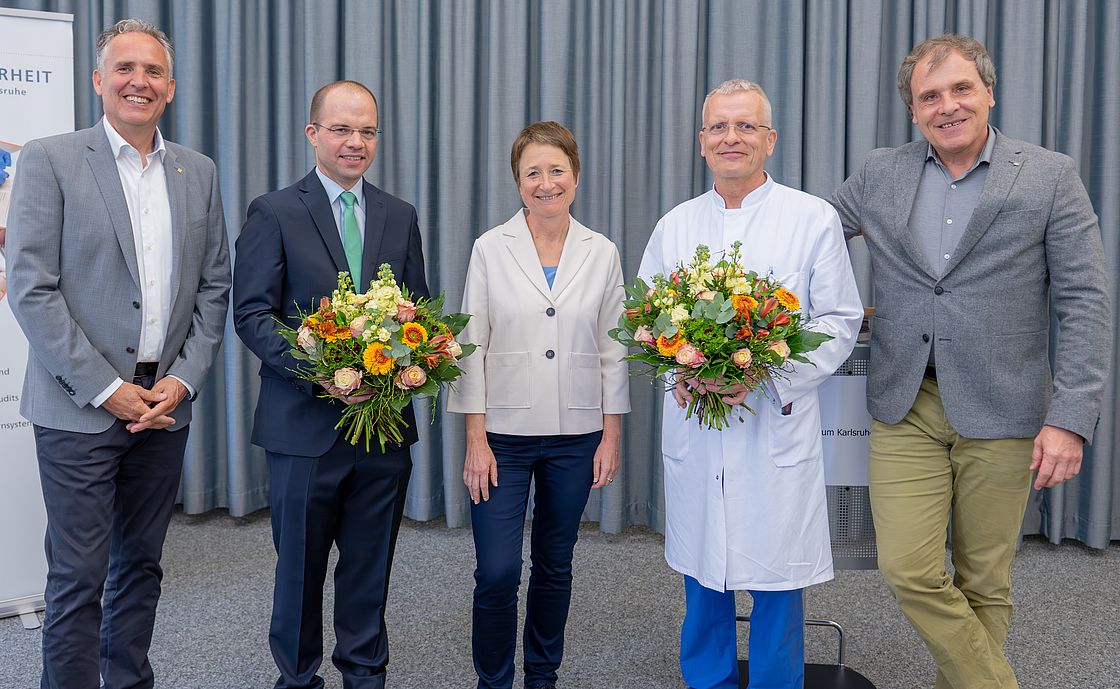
(973, 237)
(119, 276)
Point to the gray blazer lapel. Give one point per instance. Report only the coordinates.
(314, 198)
(908, 170)
(104, 166)
(520, 243)
(375, 230)
(1007, 160)
(577, 247)
(176, 179)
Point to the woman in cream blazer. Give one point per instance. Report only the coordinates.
(543, 395)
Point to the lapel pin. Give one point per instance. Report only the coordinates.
(180, 170)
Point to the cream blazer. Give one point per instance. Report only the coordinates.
(544, 363)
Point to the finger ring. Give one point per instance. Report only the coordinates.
(610, 480)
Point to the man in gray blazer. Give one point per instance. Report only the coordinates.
(974, 237)
(119, 276)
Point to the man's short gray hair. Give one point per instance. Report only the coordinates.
(138, 26)
(938, 50)
(734, 86)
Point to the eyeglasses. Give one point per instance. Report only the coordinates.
(720, 129)
(344, 132)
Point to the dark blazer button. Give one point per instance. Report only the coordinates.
(550, 354)
(135, 304)
(550, 311)
(925, 337)
(938, 290)
(130, 350)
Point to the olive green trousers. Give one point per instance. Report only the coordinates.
(925, 477)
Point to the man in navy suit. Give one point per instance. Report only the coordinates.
(324, 490)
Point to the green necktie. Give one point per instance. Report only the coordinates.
(352, 239)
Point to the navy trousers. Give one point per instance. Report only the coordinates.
(562, 467)
(354, 500)
(109, 498)
(708, 639)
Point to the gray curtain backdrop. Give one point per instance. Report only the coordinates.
(457, 79)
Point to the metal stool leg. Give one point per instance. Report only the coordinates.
(818, 676)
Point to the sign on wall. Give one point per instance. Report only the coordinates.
(36, 100)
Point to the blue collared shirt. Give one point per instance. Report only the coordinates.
(334, 192)
(943, 205)
(943, 208)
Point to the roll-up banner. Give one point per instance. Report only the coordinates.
(36, 100)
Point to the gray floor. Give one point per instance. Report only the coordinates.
(212, 626)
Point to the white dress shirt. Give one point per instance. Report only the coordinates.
(149, 208)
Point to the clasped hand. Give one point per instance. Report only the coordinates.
(687, 389)
(146, 409)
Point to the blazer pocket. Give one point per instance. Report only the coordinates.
(507, 380)
(585, 381)
(795, 437)
(1020, 385)
(390, 257)
(884, 352)
(1021, 214)
(195, 240)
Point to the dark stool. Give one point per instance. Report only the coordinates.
(818, 676)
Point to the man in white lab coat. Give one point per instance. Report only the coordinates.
(745, 507)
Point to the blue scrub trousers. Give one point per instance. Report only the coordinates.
(708, 642)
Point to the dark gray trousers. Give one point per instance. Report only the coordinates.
(109, 498)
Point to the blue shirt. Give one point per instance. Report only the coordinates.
(943, 205)
(334, 193)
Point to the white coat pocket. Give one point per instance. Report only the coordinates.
(674, 429)
(507, 380)
(795, 282)
(795, 437)
(585, 381)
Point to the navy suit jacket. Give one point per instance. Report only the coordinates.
(289, 254)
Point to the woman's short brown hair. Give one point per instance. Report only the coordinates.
(547, 134)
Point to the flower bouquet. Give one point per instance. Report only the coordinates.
(375, 350)
(720, 324)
